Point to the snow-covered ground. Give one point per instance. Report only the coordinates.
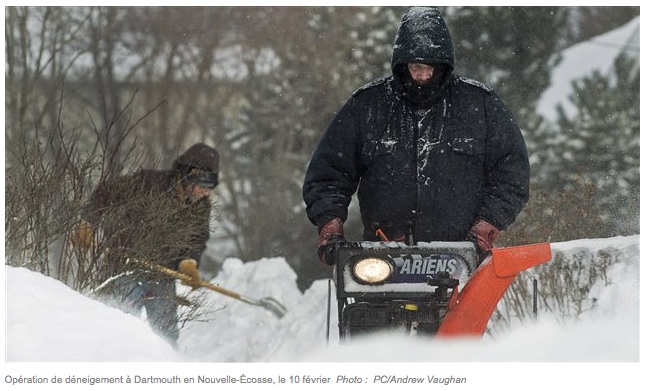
(53, 330)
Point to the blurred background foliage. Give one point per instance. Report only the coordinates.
(92, 92)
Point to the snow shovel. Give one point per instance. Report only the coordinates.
(269, 303)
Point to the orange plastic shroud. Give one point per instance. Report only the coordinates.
(470, 309)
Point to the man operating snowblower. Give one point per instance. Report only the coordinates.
(441, 167)
(152, 217)
(434, 156)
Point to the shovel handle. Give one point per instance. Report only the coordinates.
(221, 290)
(273, 306)
(183, 277)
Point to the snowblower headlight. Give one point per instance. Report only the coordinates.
(372, 270)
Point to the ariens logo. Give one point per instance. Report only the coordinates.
(433, 264)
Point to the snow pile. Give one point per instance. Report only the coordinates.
(46, 321)
(236, 331)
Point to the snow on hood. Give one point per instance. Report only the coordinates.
(423, 37)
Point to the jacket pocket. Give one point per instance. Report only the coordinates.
(468, 146)
(467, 160)
(381, 163)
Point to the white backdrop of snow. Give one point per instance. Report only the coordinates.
(48, 322)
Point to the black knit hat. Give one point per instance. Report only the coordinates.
(199, 156)
(199, 165)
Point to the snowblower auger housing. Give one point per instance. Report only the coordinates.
(428, 288)
(394, 286)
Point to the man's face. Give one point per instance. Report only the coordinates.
(196, 192)
(421, 73)
(198, 184)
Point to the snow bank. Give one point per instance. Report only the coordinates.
(47, 321)
(54, 331)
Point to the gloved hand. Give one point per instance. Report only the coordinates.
(483, 234)
(83, 238)
(329, 235)
(188, 267)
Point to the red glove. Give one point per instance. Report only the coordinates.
(329, 235)
(483, 234)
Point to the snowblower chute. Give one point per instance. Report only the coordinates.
(471, 309)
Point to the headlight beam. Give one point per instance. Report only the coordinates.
(372, 270)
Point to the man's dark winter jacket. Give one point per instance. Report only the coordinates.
(147, 215)
(428, 165)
